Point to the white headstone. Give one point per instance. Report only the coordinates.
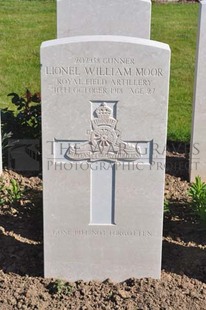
(198, 139)
(95, 17)
(104, 102)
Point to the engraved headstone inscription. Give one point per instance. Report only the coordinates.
(198, 139)
(95, 17)
(104, 105)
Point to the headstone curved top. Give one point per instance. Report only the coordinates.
(113, 17)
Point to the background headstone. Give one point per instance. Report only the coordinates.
(104, 117)
(23, 155)
(103, 17)
(198, 139)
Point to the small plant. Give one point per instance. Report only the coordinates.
(166, 206)
(197, 192)
(6, 136)
(60, 287)
(2, 192)
(24, 121)
(10, 193)
(14, 191)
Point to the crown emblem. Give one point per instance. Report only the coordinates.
(104, 118)
(103, 111)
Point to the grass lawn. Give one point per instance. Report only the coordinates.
(25, 24)
(176, 24)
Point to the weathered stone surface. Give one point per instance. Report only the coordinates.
(95, 17)
(104, 104)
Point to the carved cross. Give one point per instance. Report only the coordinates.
(103, 150)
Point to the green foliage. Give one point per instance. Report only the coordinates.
(60, 287)
(2, 195)
(5, 143)
(26, 123)
(10, 193)
(5, 137)
(197, 192)
(166, 206)
(14, 191)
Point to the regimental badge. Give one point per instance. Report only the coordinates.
(104, 142)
